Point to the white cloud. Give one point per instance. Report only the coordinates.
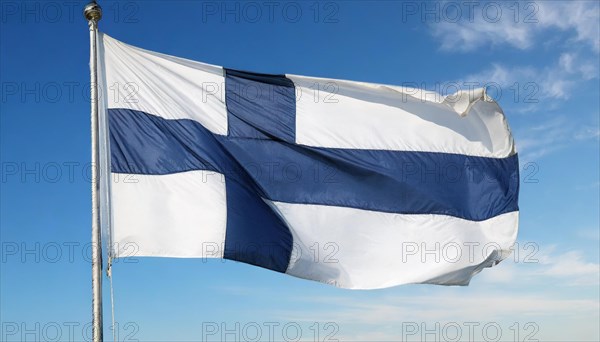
(521, 28)
(572, 268)
(534, 142)
(590, 234)
(527, 89)
(536, 264)
(538, 141)
(467, 36)
(444, 305)
(588, 133)
(554, 290)
(358, 317)
(537, 84)
(540, 89)
(581, 16)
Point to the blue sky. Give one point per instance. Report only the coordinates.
(540, 60)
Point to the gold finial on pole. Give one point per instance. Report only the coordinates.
(92, 12)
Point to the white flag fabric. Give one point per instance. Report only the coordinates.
(352, 184)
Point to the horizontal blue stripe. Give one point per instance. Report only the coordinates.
(473, 188)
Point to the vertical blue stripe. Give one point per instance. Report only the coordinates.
(260, 106)
(255, 233)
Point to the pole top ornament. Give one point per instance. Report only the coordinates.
(92, 12)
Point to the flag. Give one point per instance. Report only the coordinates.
(353, 184)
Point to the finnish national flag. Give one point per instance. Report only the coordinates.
(353, 184)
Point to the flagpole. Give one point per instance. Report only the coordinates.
(93, 13)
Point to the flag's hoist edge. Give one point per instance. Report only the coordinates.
(367, 186)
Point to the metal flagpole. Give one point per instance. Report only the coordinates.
(93, 13)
